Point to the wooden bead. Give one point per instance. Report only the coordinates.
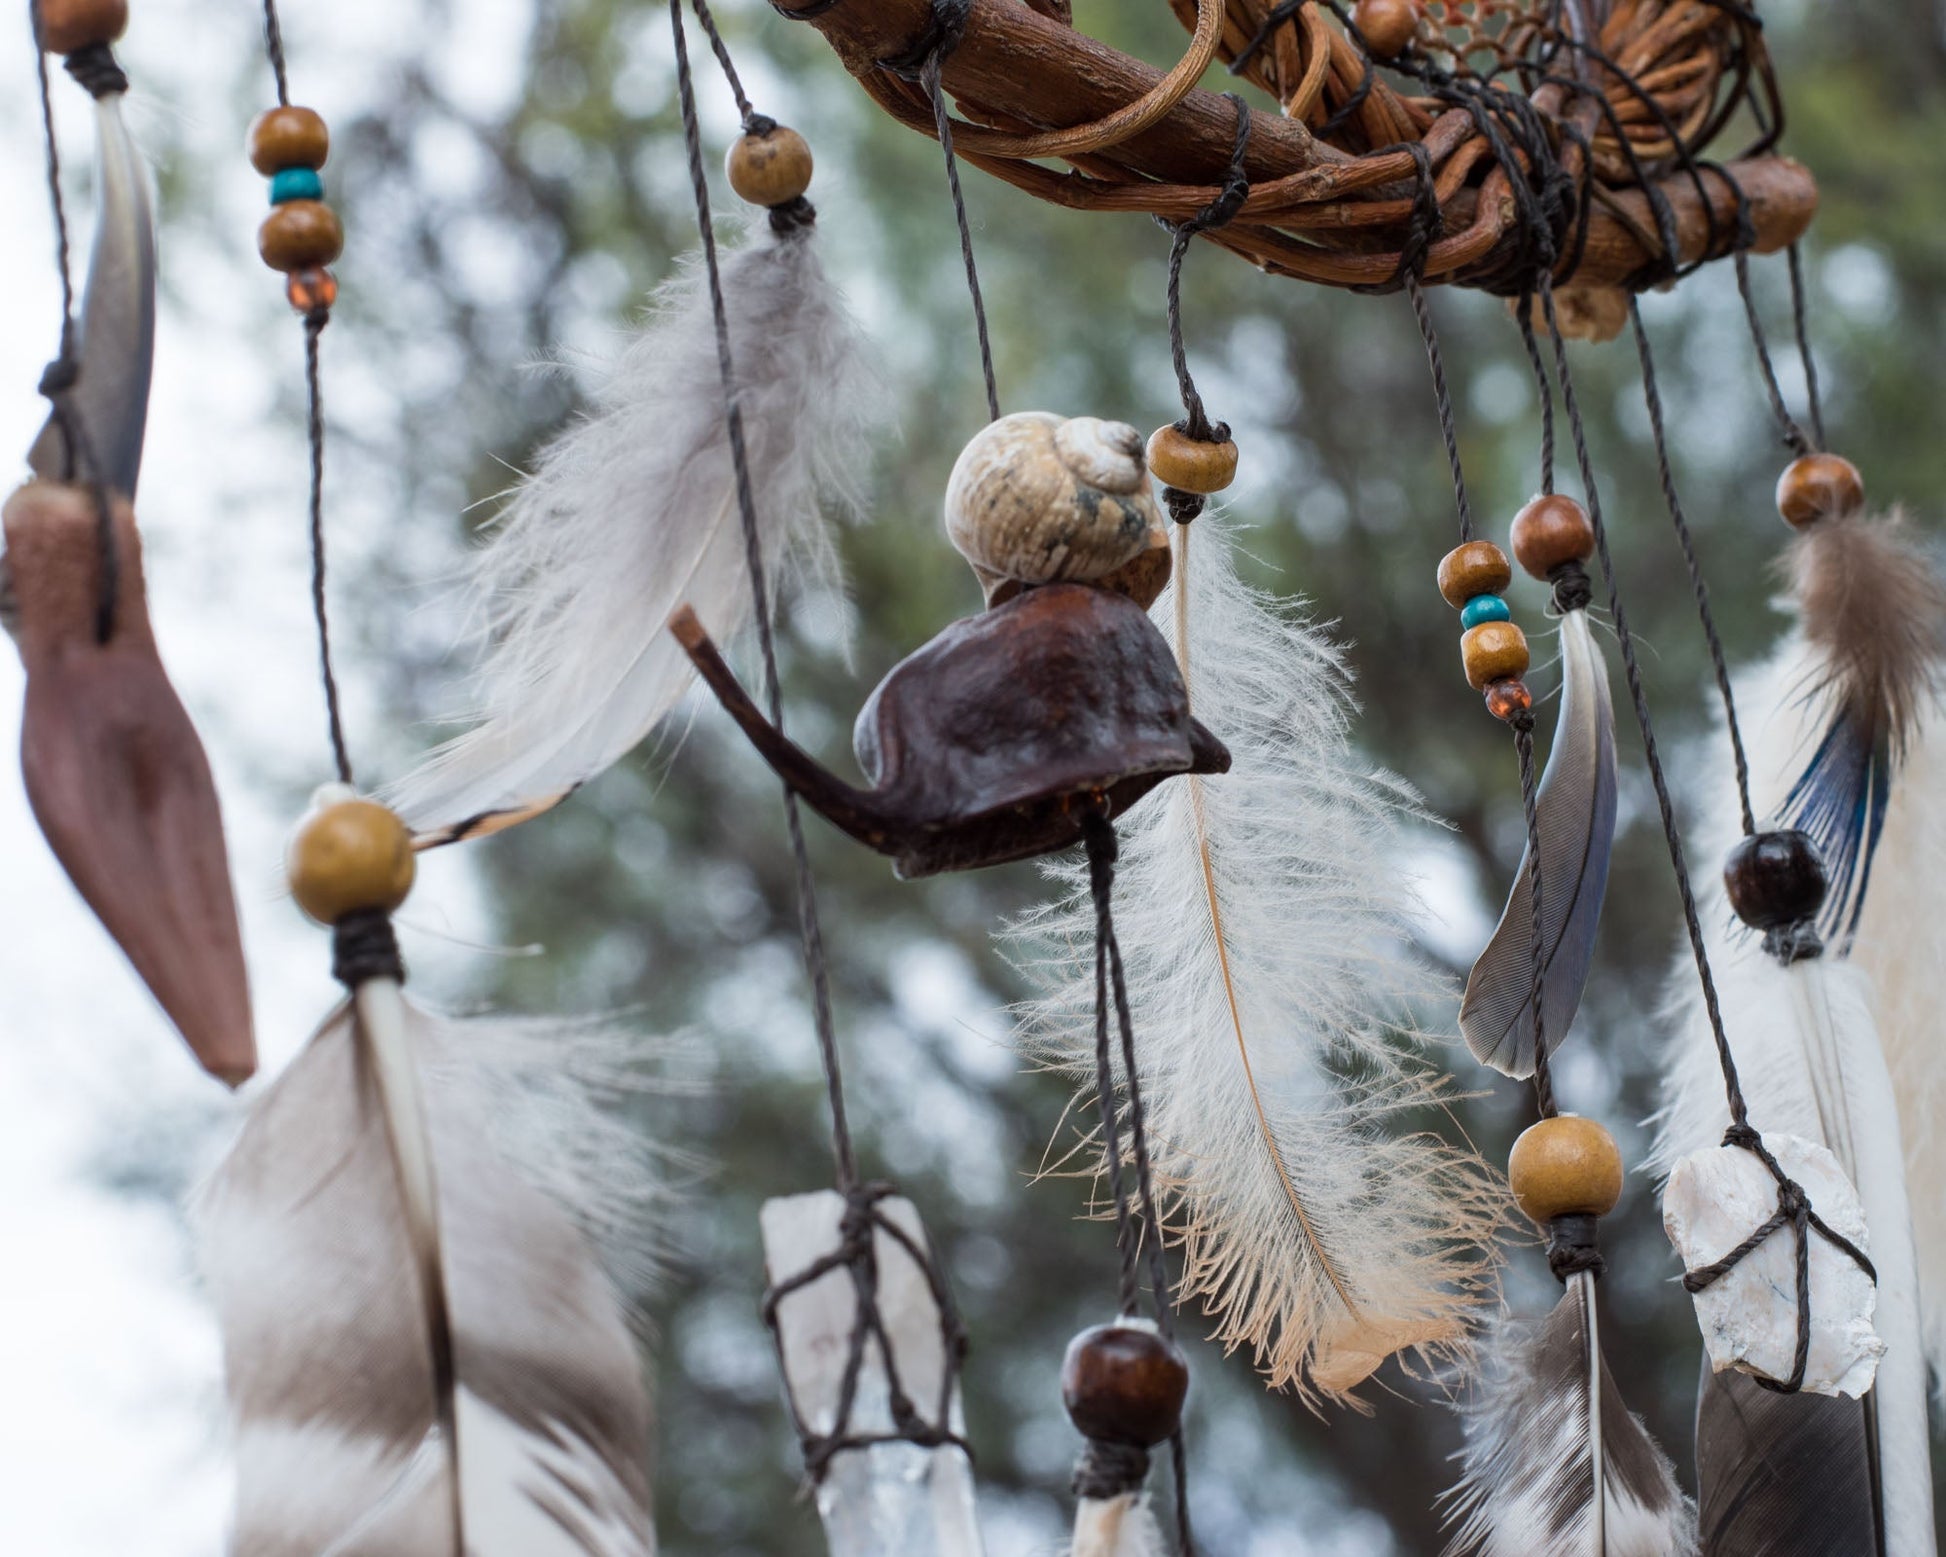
(1493, 651)
(350, 856)
(301, 235)
(1190, 465)
(1565, 1166)
(1775, 879)
(1387, 25)
(288, 138)
(68, 26)
(1505, 699)
(1819, 486)
(1124, 1383)
(314, 290)
(770, 169)
(1551, 532)
(1477, 568)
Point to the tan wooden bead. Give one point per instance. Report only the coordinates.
(350, 856)
(1551, 531)
(1387, 25)
(299, 235)
(1477, 568)
(1565, 1166)
(770, 169)
(1190, 465)
(1819, 486)
(1493, 651)
(289, 138)
(71, 25)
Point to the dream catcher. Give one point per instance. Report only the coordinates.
(422, 1246)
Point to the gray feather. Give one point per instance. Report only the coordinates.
(1575, 809)
(1533, 1451)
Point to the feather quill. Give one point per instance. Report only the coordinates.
(1122, 1526)
(632, 512)
(348, 1439)
(1546, 1426)
(1575, 817)
(1258, 914)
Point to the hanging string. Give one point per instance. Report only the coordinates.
(1801, 325)
(1544, 388)
(274, 50)
(1793, 435)
(1448, 429)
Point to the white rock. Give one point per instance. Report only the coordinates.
(1718, 1197)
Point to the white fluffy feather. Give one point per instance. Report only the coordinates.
(1259, 914)
(330, 1377)
(1123, 1526)
(632, 512)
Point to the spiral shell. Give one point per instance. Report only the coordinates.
(1037, 498)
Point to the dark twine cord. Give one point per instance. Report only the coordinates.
(1448, 429)
(1793, 436)
(1523, 727)
(363, 946)
(1573, 1246)
(274, 51)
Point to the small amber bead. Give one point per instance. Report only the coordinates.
(1387, 25)
(1819, 486)
(288, 138)
(1189, 464)
(1565, 1166)
(301, 235)
(1551, 531)
(1775, 879)
(1477, 568)
(349, 856)
(770, 169)
(1493, 651)
(71, 25)
(1124, 1383)
(313, 290)
(1505, 699)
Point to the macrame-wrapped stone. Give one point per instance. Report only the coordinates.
(1717, 1198)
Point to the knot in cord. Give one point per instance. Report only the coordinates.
(1790, 943)
(97, 71)
(363, 947)
(1109, 1470)
(60, 375)
(1572, 1248)
(945, 26)
(1572, 590)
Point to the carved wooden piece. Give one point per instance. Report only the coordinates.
(116, 775)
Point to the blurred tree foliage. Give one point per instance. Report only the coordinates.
(493, 237)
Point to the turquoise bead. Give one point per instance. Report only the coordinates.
(1484, 608)
(296, 184)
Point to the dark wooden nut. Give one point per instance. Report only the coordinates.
(1775, 879)
(1387, 25)
(68, 26)
(1551, 531)
(1565, 1166)
(770, 169)
(1477, 568)
(288, 138)
(1819, 486)
(1493, 651)
(1124, 1383)
(301, 235)
(1189, 464)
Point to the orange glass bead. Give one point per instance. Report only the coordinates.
(71, 25)
(288, 138)
(313, 290)
(1550, 532)
(1819, 486)
(1387, 25)
(1507, 698)
(1477, 568)
(300, 235)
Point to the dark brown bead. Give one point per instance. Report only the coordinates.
(71, 25)
(300, 235)
(1819, 486)
(288, 138)
(1775, 880)
(1124, 1383)
(1507, 698)
(1387, 25)
(1477, 568)
(1551, 531)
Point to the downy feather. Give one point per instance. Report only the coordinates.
(306, 1250)
(632, 512)
(1575, 817)
(1259, 915)
(1546, 1418)
(1122, 1526)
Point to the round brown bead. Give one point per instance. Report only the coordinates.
(1477, 568)
(350, 856)
(1189, 464)
(1551, 531)
(1124, 1383)
(288, 138)
(1493, 651)
(1565, 1166)
(770, 169)
(71, 25)
(1819, 486)
(1387, 25)
(1506, 699)
(301, 235)
(1775, 879)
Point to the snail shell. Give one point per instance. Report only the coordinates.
(1037, 498)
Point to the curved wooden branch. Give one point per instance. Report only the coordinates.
(1316, 211)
